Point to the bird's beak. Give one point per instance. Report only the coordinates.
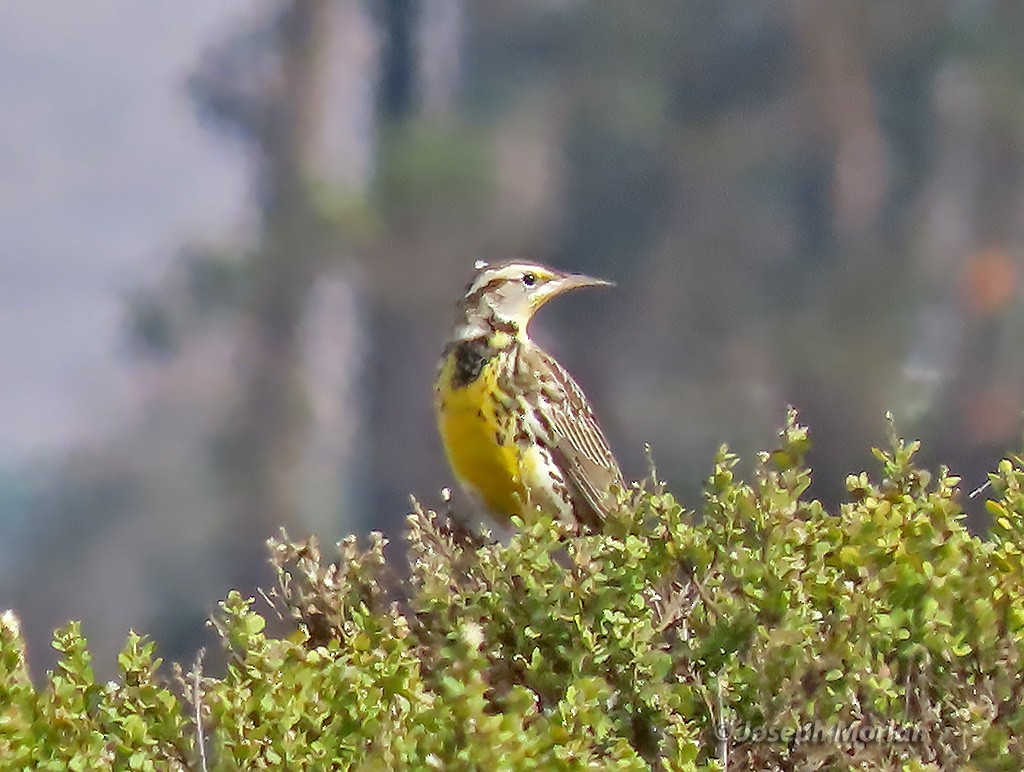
(564, 283)
(576, 280)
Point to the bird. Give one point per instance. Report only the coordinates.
(518, 431)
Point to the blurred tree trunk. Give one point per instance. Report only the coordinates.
(965, 359)
(843, 114)
(392, 350)
(842, 251)
(414, 286)
(263, 444)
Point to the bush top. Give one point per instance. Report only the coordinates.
(760, 632)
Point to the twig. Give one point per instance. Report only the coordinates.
(979, 490)
(672, 610)
(197, 701)
(723, 736)
(652, 470)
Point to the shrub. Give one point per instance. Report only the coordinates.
(763, 632)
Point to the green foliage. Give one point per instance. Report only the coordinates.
(662, 642)
(75, 723)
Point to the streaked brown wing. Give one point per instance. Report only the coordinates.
(578, 444)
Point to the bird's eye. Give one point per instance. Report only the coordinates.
(529, 279)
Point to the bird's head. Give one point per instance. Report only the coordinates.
(506, 295)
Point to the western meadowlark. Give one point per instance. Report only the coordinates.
(518, 431)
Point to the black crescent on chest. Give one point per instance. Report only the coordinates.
(470, 357)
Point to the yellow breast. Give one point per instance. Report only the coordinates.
(476, 434)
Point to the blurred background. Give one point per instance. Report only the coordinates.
(232, 235)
